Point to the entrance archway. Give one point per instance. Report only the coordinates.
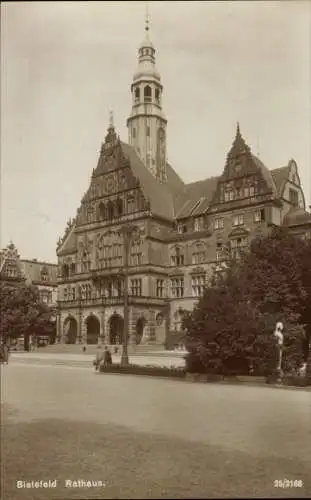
(92, 330)
(140, 325)
(116, 325)
(70, 330)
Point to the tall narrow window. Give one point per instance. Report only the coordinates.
(147, 93)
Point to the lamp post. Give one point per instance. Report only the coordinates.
(127, 232)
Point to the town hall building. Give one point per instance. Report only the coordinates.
(180, 233)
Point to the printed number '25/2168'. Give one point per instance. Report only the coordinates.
(288, 483)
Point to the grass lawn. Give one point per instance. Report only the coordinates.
(133, 464)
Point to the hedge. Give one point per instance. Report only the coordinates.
(156, 371)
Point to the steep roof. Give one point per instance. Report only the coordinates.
(279, 176)
(195, 198)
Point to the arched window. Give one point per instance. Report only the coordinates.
(102, 210)
(119, 206)
(137, 94)
(110, 210)
(147, 93)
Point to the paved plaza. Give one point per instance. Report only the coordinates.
(164, 358)
(137, 437)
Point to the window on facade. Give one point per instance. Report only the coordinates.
(119, 206)
(231, 195)
(219, 252)
(239, 192)
(65, 272)
(237, 245)
(65, 294)
(259, 215)
(136, 287)
(198, 256)
(251, 191)
(147, 93)
(293, 197)
(177, 259)
(157, 94)
(110, 210)
(137, 94)
(130, 203)
(160, 288)
(148, 131)
(246, 192)
(181, 228)
(219, 223)
(238, 220)
(177, 287)
(198, 285)
(102, 210)
(72, 268)
(198, 223)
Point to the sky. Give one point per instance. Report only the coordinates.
(64, 65)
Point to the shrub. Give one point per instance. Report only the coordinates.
(157, 371)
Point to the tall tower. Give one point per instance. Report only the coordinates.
(147, 123)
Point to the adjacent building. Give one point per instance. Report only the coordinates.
(182, 233)
(16, 271)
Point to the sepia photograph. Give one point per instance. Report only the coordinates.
(155, 249)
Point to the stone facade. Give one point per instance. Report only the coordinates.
(182, 233)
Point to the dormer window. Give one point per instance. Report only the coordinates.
(198, 223)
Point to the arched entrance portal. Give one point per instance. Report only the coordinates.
(116, 325)
(70, 330)
(140, 325)
(92, 330)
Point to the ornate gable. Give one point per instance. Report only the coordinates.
(244, 175)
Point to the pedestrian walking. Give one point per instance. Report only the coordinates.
(107, 357)
(99, 357)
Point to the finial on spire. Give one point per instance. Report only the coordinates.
(238, 129)
(111, 120)
(147, 18)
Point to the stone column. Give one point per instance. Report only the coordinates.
(102, 327)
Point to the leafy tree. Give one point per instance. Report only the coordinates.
(235, 319)
(22, 313)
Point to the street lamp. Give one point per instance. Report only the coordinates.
(127, 232)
